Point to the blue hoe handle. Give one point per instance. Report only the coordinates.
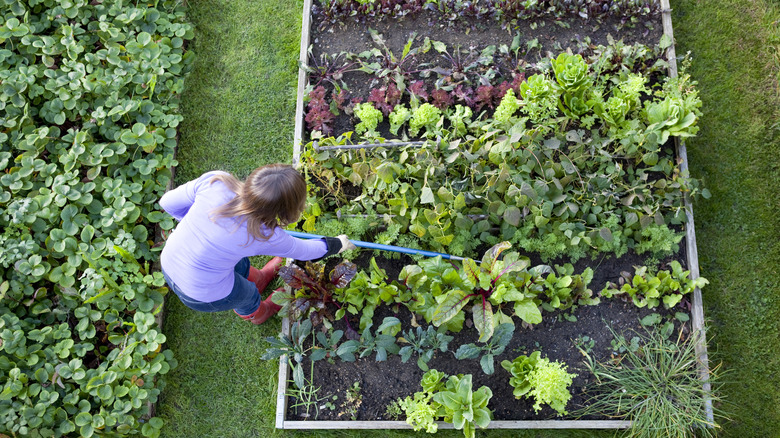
(379, 246)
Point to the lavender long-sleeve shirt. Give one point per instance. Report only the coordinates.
(200, 255)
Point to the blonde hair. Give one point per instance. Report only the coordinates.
(273, 195)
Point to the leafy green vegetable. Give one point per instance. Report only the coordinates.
(443, 290)
(465, 408)
(508, 106)
(424, 344)
(454, 401)
(492, 348)
(400, 115)
(370, 118)
(425, 116)
(311, 290)
(547, 382)
(649, 290)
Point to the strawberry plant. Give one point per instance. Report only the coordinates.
(90, 110)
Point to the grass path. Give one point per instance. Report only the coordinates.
(239, 108)
(734, 47)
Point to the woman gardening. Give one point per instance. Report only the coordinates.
(223, 221)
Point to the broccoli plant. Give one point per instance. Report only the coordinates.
(492, 348)
(424, 343)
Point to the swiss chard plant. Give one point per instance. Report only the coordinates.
(444, 290)
(367, 291)
(648, 290)
(311, 290)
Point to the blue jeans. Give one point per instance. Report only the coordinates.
(244, 298)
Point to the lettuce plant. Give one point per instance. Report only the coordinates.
(459, 119)
(540, 98)
(370, 118)
(424, 116)
(420, 412)
(400, 115)
(572, 76)
(464, 408)
(547, 382)
(670, 117)
(453, 401)
(508, 106)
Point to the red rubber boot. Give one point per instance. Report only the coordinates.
(266, 310)
(263, 277)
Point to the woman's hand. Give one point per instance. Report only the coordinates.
(346, 245)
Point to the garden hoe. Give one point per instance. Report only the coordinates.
(379, 246)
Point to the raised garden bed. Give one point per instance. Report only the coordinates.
(576, 323)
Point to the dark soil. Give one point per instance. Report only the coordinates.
(551, 35)
(383, 382)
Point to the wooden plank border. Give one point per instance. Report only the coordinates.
(544, 424)
(159, 318)
(693, 265)
(697, 311)
(303, 77)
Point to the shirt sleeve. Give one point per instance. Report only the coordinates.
(282, 244)
(178, 201)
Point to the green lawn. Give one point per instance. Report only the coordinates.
(239, 108)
